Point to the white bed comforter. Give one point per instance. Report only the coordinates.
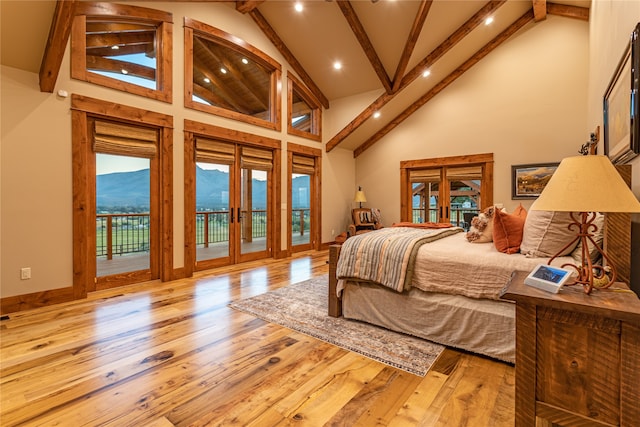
(477, 270)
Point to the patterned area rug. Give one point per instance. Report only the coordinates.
(303, 308)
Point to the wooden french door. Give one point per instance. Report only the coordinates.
(121, 217)
(444, 189)
(232, 199)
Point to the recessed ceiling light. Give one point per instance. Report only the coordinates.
(337, 65)
(124, 71)
(223, 70)
(115, 47)
(245, 61)
(426, 73)
(298, 6)
(376, 114)
(488, 21)
(206, 80)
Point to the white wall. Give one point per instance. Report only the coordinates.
(526, 102)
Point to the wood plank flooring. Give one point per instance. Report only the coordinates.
(173, 354)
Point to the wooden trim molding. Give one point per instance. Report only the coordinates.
(315, 132)
(36, 299)
(193, 30)
(406, 166)
(163, 22)
(84, 112)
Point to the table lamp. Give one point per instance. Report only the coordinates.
(360, 197)
(584, 185)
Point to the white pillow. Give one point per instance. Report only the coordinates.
(546, 232)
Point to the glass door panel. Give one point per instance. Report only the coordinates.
(253, 218)
(122, 214)
(425, 196)
(213, 211)
(464, 193)
(300, 209)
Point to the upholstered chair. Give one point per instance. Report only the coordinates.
(364, 220)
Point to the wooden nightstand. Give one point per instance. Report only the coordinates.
(577, 356)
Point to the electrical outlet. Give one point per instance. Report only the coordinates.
(25, 273)
(333, 232)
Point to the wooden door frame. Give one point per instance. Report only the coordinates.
(193, 129)
(406, 166)
(315, 197)
(84, 109)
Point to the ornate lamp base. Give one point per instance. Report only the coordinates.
(587, 272)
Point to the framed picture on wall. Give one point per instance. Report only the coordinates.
(528, 181)
(621, 104)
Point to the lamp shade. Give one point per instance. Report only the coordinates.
(587, 184)
(360, 197)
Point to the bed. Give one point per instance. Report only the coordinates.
(451, 289)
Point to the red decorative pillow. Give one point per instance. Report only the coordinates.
(507, 230)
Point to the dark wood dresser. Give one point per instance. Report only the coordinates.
(577, 356)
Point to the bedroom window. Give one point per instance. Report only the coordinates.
(127, 48)
(230, 78)
(304, 116)
(446, 189)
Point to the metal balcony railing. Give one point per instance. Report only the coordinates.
(431, 215)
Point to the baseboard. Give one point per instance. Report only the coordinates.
(35, 300)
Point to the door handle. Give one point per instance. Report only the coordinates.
(440, 211)
(447, 211)
(238, 215)
(231, 219)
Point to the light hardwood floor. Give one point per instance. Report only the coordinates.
(173, 354)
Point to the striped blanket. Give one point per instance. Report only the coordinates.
(386, 256)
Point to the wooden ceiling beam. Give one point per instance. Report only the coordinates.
(418, 23)
(457, 36)
(56, 44)
(116, 66)
(121, 39)
(288, 55)
(575, 12)
(416, 71)
(474, 59)
(539, 10)
(361, 35)
(247, 6)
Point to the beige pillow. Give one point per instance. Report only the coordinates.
(546, 232)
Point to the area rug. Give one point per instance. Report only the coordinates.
(302, 307)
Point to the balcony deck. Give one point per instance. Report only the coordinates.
(140, 261)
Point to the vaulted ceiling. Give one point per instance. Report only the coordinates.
(384, 47)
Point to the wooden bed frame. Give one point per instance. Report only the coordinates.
(617, 244)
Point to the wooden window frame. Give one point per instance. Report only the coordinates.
(316, 192)
(406, 166)
(163, 21)
(84, 180)
(195, 28)
(293, 83)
